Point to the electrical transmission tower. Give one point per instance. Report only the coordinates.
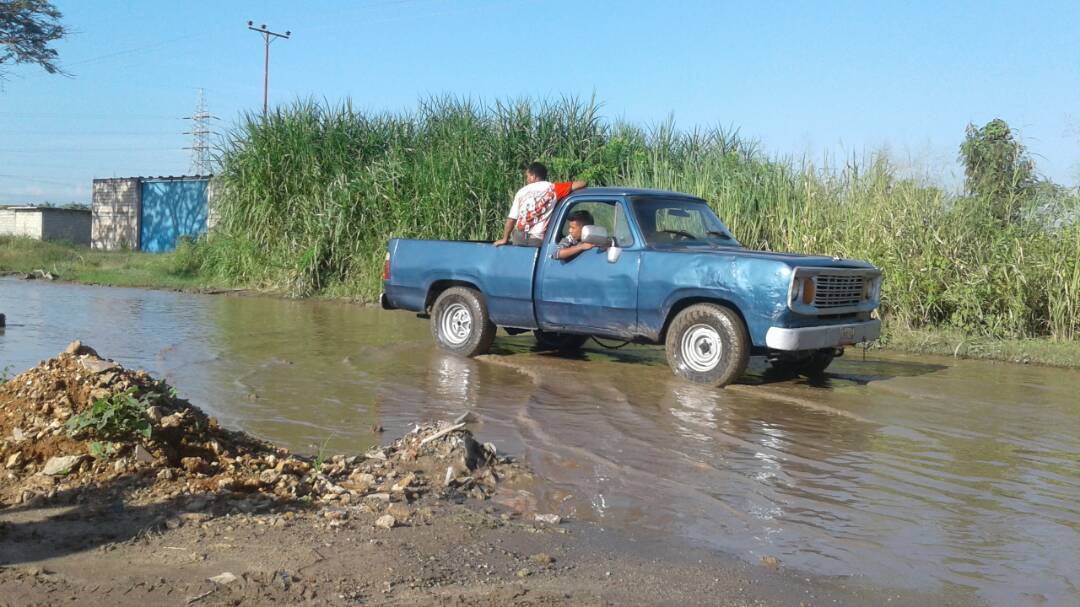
(200, 137)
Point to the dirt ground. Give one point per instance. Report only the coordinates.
(147, 501)
(469, 554)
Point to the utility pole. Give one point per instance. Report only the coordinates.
(200, 137)
(268, 37)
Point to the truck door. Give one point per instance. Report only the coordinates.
(588, 293)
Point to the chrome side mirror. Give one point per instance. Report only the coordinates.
(596, 235)
(613, 254)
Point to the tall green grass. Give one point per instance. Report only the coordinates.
(310, 195)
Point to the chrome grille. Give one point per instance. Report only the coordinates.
(838, 290)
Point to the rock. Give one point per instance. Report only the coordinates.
(269, 476)
(224, 579)
(166, 475)
(17, 434)
(142, 455)
(59, 466)
(386, 521)
(522, 572)
(77, 348)
(551, 519)
(195, 517)
(193, 465)
(96, 365)
(399, 511)
(381, 497)
(542, 558)
(14, 460)
(336, 515)
(403, 484)
(172, 421)
(770, 561)
(155, 413)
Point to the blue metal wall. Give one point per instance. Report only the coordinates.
(171, 208)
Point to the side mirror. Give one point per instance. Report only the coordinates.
(596, 235)
(613, 254)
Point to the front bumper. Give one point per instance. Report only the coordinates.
(825, 336)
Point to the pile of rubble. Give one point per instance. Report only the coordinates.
(53, 446)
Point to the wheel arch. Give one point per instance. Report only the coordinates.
(686, 302)
(436, 288)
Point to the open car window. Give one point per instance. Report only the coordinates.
(680, 221)
(607, 214)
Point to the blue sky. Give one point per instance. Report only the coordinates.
(815, 79)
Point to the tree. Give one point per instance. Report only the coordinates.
(997, 168)
(26, 29)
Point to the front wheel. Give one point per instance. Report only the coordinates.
(707, 344)
(460, 323)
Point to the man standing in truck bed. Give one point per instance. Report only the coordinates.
(531, 210)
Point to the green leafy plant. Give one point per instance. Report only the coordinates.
(320, 458)
(118, 417)
(102, 450)
(5, 374)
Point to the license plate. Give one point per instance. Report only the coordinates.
(847, 335)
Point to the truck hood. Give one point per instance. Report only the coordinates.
(793, 259)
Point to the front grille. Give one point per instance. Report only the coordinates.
(838, 290)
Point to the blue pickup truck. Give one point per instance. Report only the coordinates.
(665, 270)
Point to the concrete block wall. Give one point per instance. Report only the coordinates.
(213, 188)
(28, 223)
(116, 208)
(72, 225)
(7, 222)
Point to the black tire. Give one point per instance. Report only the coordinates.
(562, 342)
(460, 322)
(809, 366)
(707, 327)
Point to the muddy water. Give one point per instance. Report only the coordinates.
(906, 471)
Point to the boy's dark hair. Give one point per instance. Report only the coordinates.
(538, 170)
(582, 218)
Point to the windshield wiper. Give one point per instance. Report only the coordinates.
(720, 234)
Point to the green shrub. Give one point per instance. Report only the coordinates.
(119, 417)
(310, 195)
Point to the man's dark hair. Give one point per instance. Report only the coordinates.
(538, 170)
(582, 218)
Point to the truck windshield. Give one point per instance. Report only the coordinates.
(680, 221)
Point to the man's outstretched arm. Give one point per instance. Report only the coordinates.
(507, 229)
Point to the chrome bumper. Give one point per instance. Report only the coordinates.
(827, 336)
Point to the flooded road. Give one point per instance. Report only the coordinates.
(916, 472)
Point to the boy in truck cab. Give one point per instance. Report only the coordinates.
(531, 210)
(571, 246)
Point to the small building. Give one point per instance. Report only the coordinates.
(149, 213)
(46, 223)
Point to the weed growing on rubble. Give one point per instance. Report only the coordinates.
(5, 374)
(117, 417)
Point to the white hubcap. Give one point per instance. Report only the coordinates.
(456, 324)
(701, 348)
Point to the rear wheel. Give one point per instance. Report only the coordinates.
(708, 344)
(563, 342)
(460, 322)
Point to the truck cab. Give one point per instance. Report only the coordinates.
(664, 270)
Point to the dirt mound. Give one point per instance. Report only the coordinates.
(78, 422)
